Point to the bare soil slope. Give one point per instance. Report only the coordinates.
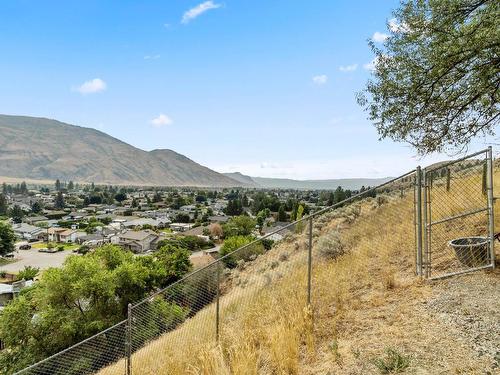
(43, 149)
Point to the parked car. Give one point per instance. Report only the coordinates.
(25, 247)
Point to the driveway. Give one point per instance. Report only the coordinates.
(34, 258)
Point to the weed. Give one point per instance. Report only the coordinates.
(393, 362)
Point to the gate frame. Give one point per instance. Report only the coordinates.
(424, 224)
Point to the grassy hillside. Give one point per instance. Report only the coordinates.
(43, 149)
(369, 315)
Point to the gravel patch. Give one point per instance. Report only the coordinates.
(470, 306)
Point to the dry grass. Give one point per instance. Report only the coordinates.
(365, 302)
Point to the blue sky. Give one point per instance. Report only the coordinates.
(262, 87)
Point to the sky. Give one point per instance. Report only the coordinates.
(266, 88)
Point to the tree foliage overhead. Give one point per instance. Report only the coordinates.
(436, 81)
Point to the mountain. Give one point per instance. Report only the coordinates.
(44, 149)
(285, 183)
(243, 179)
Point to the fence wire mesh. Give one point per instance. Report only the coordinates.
(88, 356)
(291, 274)
(458, 212)
(213, 304)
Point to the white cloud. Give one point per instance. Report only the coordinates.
(320, 79)
(379, 37)
(161, 120)
(348, 68)
(91, 87)
(199, 10)
(397, 27)
(151, 57)
(371, 65)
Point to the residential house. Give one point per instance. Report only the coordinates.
(27, 231)
(64, 235)
(181, 227)
(138, 241)
(9, 291)
(35, 219)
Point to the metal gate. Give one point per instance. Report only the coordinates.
(454, 216)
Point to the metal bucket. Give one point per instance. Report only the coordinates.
(471, 251)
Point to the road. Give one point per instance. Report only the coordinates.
(34, 258)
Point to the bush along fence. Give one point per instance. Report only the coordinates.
(199, 309)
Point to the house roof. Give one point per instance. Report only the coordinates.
(26, 228)
(195, 231)
(137, 235)
(141, 222)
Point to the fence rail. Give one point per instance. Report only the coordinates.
(202, 304)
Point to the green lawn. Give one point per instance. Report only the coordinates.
(4, 261)
(67, 246)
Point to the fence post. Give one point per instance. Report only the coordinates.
(425, 224)
(309, 262)
(491, 221)
(418, 209)
(217, 305)
(128, 339)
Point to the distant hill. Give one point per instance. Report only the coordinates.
(43, 149)
(243, 179)
(285, 183)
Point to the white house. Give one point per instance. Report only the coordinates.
(27, 231)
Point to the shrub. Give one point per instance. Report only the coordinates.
(393, 362)
(60, 248)
(28, 273)
(267, 243)
(84, 249)
(283, 257)
(381, 199)
(330, 246)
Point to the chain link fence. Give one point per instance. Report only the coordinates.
(170, 331)
(457, 216)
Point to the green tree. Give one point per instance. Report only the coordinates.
(239, 226)
(120, 197)
(436, 80)
(234, 207)
(300, 226)
(3, 205)
(57, 185)
(282, 214)
(260, 219)
(7, 239)
(59, 201)
(16, 213)
(233, 243)
(86, 295)
(71, 185)
(36, 207)
(23, 189)
(175, 261)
